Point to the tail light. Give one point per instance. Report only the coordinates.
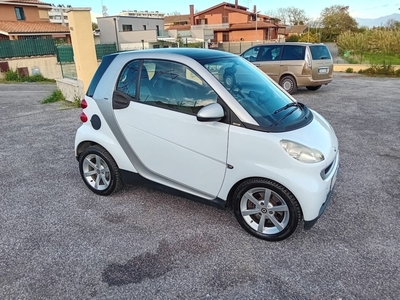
(83, 117)
(83, 104)
(308, 59)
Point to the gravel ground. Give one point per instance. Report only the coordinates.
(58, 240)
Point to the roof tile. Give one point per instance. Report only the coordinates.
(15, 27)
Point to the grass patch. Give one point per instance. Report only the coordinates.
(55, 96)
(76, 102)
(374, 59)
(381, 70)
(12, 76)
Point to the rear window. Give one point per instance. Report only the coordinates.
(320, 52)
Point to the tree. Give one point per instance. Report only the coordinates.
(336, 20)
(308, 37)
(289, 15)
(94, 26)
(175, 13)
(392, 24)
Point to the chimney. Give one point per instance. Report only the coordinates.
(191, 9)
(236, 3)
(255, 9)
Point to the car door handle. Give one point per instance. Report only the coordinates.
(120, 100)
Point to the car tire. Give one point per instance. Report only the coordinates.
(289, 84)
(313, 88)
(274, 220)
(99, 171)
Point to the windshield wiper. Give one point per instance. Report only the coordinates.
(285, 116)
(286, 107)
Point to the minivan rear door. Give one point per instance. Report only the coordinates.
(322, 63)
(293, 60)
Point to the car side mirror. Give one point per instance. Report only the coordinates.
(211, 113)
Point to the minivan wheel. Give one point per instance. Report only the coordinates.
(313, 88)
(289, 84)
(266, 209)
(99, 171)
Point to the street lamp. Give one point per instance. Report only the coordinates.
(256, 22)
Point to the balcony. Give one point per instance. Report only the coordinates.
(211, 26)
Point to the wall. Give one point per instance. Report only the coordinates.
(246, 35)
(107, 30)
(214, 18)
(48, 66)
(235, 17)
(7, 13)
(137, 36)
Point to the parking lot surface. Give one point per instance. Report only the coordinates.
(58, 240)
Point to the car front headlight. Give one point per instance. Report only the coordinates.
(302, 153)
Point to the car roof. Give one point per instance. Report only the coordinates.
(291, 43)
(194, 53)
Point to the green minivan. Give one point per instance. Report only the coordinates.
(293, 65)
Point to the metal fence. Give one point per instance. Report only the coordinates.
(28, 47)
(65, 56)
(65, 53)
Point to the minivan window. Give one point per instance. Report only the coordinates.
(251, 54)
(270, 53)
(293, 52)
(320, 52)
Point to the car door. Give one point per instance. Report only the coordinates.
(293, 60)
(322, 63)
(160, 125)
(268, 60)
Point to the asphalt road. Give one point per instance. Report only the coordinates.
(58, 240)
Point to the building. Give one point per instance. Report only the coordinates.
(142, 14)
(296, 30)
(27, 19)
(58, 14)
(143, 32)
(233, 22)
(177, 21)
(129, 32)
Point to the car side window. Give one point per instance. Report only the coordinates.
(174, 86)
(293, 52)
(270, 53)
(127, 80)
(251, 54)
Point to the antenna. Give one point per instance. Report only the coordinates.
(104, 9)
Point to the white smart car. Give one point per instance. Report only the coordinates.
(212, 127)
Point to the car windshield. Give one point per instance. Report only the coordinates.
(257, 94)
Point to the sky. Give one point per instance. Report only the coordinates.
(313, 8)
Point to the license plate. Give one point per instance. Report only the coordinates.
(323, 70)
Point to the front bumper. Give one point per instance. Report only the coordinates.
(309, 224)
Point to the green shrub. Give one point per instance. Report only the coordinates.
(349, 70)
(292, 38)
(77, 102)
(11, 75)
(55, 96)
(381, 70)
